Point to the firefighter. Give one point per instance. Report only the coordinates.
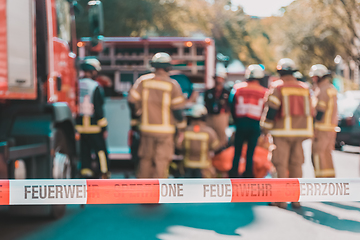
(216, 102)
(157, 101)
(198, 142)
(326, 121)
(91, 122)
(288, 117)
(247, 103)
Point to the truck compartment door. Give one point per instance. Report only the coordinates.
(20, 42)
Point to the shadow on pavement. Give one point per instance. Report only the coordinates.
(327, 219)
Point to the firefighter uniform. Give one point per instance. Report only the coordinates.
(199, 140)
(91, 124)
(217, 105)
(157, 95)
(247, 103)
(325, 125)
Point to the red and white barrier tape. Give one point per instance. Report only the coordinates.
(121, 191)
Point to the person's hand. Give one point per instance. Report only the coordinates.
(105, 134)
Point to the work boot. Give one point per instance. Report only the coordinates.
(295, 205)
(106, 175)
(282, 205)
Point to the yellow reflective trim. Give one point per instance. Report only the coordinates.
(135, 94)
(166, 108)
(182, 124)
(145, 116)
(177, 100)
(202, 136)
(287, 91)
(286, 105)
(103, 163)
(86, 172)
(316, 159)
(295, 132)
(102, 122)
(215, 144)
(274, 100)
(329, 112)
(325, 127)
(158, 128)
(134, 122)
(204, 151)
(88, 129)
(325, 173)
(196, 164)
(156, 84)
(331, 92)
(307, 106)
(267, 125)
(322, 104)
(86, 121)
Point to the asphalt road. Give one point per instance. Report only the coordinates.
(340, 220)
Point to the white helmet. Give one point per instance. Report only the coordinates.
(298, 75)
(286, 64)
(254, 71)
(198, 111)
(91, 64)
(319, 70)
(161, 60)
(221, 73)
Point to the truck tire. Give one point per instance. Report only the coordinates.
(62, 162)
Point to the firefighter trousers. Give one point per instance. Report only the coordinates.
(219, 122)
(323, 144)
(288, 156)
(90, 143)
(155, 154)
(247, 130)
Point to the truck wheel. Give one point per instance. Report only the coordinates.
(61, 167)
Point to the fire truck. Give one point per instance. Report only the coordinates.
(38, 90)
(124, 59)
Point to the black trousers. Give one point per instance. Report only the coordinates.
(247, 130)
(94, 143)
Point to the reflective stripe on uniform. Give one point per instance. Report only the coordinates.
(274, 100)
(158, 128)
(103, 162)
(166, 108)
(215, 144)
(322, 104)
(266, 125)
(87, 128)
(287, 91)
(325, 172)
(134, 122)
(135, 94)
(181, 125)
(102, 122)
(325, 127)
(290, 132)
(177, 100)
(156, 84)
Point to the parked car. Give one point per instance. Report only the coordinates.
(349, 121)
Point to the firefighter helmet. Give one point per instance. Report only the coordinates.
(91, 64)
(254, 71)
(298, 75)
(198, 111)
(319, 70)
(221, 73)
(286, 65)
(161, 60)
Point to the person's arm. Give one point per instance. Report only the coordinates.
(99, 110)
(232, 103)
(272, 106)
